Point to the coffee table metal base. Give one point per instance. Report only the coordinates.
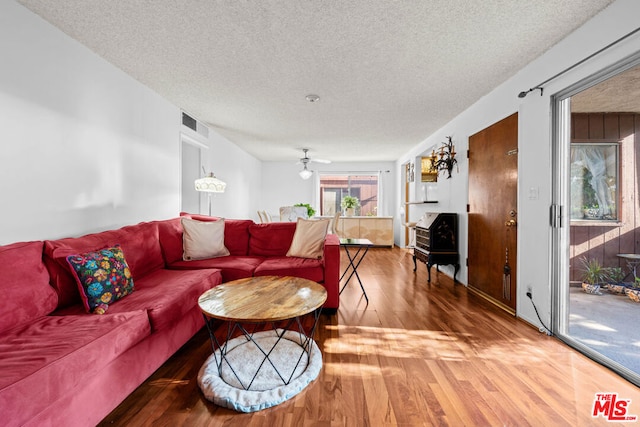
(297, 345)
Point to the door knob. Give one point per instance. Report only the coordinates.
(510, 223)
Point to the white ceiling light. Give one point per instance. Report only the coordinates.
(305, 173)
(312, 98)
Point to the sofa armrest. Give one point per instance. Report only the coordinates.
(332, 270)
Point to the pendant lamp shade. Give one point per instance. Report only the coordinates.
(210, 184)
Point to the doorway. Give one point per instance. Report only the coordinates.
(191, 163)
(406, 199)
(493, 213)
(596, 181)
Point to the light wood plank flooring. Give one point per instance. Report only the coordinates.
(418, 354)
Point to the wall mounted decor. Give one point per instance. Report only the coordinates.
(445, 158)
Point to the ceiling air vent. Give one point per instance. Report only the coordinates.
(195, 125)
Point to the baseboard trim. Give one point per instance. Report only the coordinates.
(491, 299)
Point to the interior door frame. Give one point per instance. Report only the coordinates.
(186, 140)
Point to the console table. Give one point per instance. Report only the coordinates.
(378, 229)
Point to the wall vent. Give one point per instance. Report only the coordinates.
(195, 125)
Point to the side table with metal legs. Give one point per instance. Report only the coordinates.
(362, 247)
(633, 260)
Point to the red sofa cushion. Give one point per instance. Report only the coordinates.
(271, 239)
(43, 359)
(233, 267)
(236, 236)
(305, 268)
(166, 295)
(55, 259)
(24, 285)
(170, 234)
(141, 247)
(139, 243)
(236, 232)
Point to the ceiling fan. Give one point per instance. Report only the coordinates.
(305, 160)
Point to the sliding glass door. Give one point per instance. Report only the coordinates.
(597, 233)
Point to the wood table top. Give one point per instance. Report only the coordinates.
(262, 299)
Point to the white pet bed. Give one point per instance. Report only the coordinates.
(267, 389)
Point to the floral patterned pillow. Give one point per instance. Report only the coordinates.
(103, 277)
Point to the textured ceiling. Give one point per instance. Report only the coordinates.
(389, 73)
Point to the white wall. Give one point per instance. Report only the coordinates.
(242, 173)
(282, 186)
(535, 143)
(84, 147)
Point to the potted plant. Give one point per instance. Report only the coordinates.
(634, 292)
(310, 211)
(615, 275)
(591, 211)
(593, 275)
(349, 203)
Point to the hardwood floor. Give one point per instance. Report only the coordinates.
(416, 355)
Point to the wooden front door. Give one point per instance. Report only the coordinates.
(493, 178)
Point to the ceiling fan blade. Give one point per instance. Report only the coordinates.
(320, 161)
(306, 159)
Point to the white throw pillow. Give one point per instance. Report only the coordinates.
(203, 239)
(308, 240)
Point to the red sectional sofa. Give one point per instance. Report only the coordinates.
(63, 366)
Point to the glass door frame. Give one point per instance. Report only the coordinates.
(560, 213)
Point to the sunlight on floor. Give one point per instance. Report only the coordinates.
(593, 325)
(605, 323)
(357, 369)
(360, 341)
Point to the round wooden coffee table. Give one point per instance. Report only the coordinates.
(247, 305)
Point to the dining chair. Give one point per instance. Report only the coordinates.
(334, 224)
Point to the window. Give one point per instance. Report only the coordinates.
(594, 181)
(335, 186)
